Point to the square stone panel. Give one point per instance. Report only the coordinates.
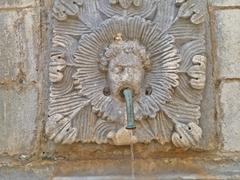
(228, 40)
(94, 42)
(19, 44)
(230, 113)
(18, 111)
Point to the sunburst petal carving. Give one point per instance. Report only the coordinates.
(163, 77)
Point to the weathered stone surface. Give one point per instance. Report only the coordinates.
(230, 107)
(146, 169)
(207, 121)
(41, 173)
(228, 40)
(92, 64)
(17, 118)
(19, 46)
(225, 2)
(18, 71)
(17, 3)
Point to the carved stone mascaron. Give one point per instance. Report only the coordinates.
(99, 47)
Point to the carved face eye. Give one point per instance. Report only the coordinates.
(106, 91)
(118, 69)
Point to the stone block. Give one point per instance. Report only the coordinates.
(225, 2)
(230, 109)
(41, 173)
(17, 3)
(19, 48)
(228, 40)
(18, 112)
(19, 45)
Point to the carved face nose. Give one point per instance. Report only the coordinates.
(125, 71)
(127, 75)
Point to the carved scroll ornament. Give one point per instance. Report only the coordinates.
(101, 47)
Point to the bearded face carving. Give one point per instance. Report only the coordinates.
(125, 64)
(125, 71)
(127, 48)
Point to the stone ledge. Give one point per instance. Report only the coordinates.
(166, 177)
(166, 168)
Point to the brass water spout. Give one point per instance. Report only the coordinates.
(128, 96)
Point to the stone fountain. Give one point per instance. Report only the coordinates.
(117, 65)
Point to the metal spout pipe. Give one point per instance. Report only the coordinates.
(128, 96)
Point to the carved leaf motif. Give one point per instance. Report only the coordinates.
(185, 90)
(70, 27)
(63, 8)
(59, 129)
(87, 120)
(165, 14)
(159, 128)
(191, 9)
(146, 9)
(103, 129)
(63, 110)
(189, 51)
(56, 67)
(186, 32)
(64, 103)
(63, 45)
(180, 111)
(186, 136)
(198, 72)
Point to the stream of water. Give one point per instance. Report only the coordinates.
(132, 158)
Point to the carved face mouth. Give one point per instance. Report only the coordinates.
(135, 94)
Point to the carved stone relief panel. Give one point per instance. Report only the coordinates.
(155, 48)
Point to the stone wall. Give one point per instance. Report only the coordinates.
(24, 46)
(226, 51)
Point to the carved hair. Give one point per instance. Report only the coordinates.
(119, 46)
